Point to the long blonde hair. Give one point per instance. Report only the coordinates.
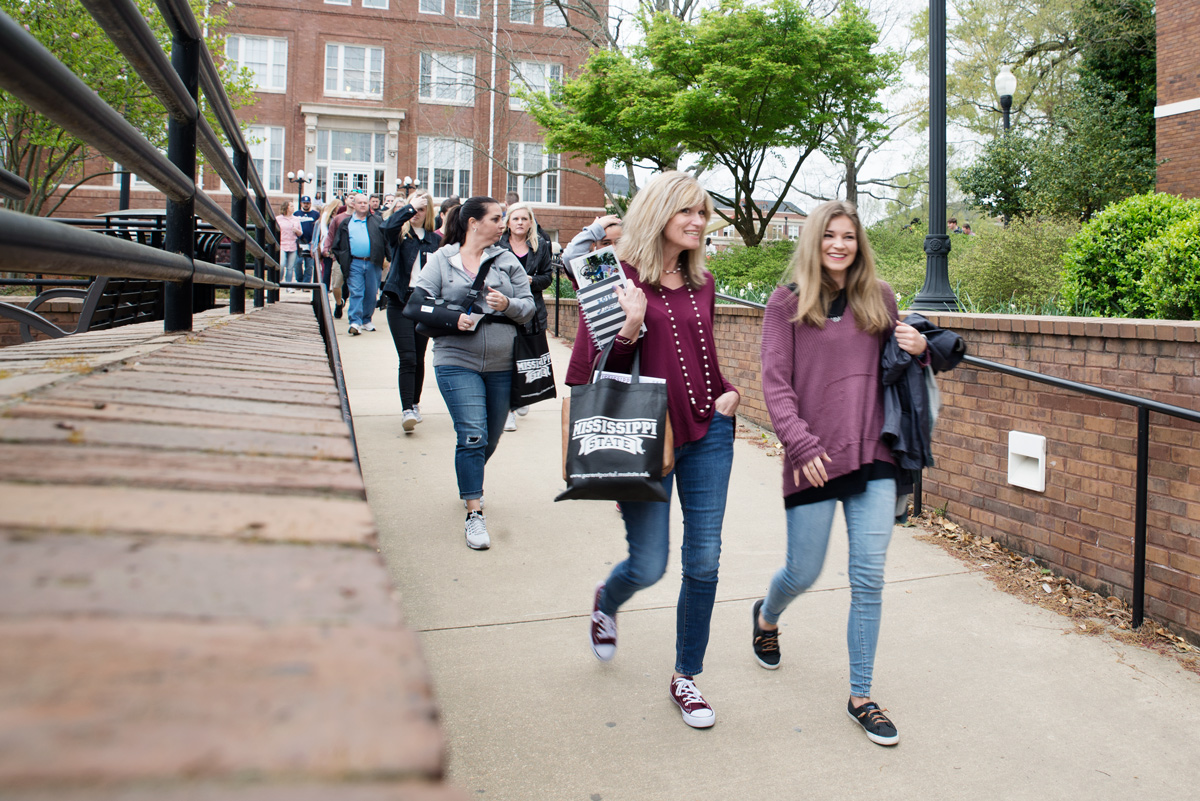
(815, 289)
(531, 236)
(652, 208)
(430, 221)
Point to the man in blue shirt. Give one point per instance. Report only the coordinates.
(305, 265)
(359, 248)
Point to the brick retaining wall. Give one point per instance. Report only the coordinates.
(63, 312)
(1082, 524)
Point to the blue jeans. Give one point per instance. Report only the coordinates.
(304, 266)
(869, 519)
(364, 290)
(287, 270)
(478, 404)
(702, 475)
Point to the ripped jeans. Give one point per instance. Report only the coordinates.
(478, 405)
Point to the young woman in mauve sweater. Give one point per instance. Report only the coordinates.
(662, 254)
(822, 338)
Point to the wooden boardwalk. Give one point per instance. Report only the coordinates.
(192, 603)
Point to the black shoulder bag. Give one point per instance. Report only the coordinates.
(437, 318)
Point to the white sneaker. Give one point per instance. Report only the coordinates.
(368, 327)
(410, 421)
(416, 410)
(524, 410)
(477, 533)
(511, 423)
(603, 629)
(353, 330)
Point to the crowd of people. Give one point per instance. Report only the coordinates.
(822, 336)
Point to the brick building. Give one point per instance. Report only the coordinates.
(1178, 112)
(363, 93)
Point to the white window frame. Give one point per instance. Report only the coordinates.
(531, 5)
(260, 140)
(337, 2)
(544, 189)
(460, 12)
(446, 70)
(368, 70)
(455, 155)
(520, 73)
(553, 15)
(376, 4)
(277, 50)
(422, 9)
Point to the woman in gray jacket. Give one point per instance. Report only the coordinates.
(474, 367)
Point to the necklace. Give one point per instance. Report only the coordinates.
(687, 381)
(672, 272)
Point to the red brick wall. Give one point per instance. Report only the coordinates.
(63, 312)
(1083, 523)
(1178, 62)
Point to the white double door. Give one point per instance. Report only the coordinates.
(351, 179)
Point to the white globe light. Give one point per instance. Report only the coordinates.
(291, 176)
(1006, 82)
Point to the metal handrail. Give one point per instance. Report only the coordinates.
(1143, 405)
(13, 186)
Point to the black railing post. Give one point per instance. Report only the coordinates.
(557, 295)
(237, 250)
(259, 264)
(1139, 517)
(277, 271)
(181, 220)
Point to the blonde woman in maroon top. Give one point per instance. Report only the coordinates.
(662, 254)
(822, 383)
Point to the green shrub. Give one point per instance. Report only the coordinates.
(1020, 264)
(1172, 275)
(1106, 262)
(759, 267)
(900, 257)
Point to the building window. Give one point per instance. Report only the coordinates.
(553, 15)
(467, 8)
(447, 78)
(525, 159)
(521, 11)
(535, 76)
(337, 2)
(433, 7)
(266, 151)
(375, 4)
(266, 58)
(353, 70)
(444, 166)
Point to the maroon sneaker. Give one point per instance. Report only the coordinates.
(603, 630)
(696, 711)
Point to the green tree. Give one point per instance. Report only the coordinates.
(43, 153)
(733, 88)
(999, 181)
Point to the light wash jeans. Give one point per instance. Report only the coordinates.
(702, 475)
(478, 405)
(870, 516)
(364, 291)
(287, 272)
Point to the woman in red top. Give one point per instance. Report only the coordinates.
(662, 254)
(822, 383)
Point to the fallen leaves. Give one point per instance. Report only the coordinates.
(1022, 576)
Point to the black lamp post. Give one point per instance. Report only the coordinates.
(300, 179)
(409, 185)
(936, 294)
(1006, 84)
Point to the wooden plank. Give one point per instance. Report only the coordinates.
(230, 406)
(177, 438)
(281, 391)
(258, 379)
(72, 409)
(34, 508)
(121, 700)
(81, 464)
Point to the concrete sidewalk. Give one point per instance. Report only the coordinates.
(993, 698)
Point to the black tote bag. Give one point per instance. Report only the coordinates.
(618, 440)
(532, 374)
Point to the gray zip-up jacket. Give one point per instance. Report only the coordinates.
(490, 347)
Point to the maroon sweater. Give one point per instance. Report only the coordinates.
(823, 388)
(689, 422)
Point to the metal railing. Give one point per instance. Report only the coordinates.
(40, 245)
(1143, 405)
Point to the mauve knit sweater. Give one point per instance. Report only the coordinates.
(823, 388)
(662, 360)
